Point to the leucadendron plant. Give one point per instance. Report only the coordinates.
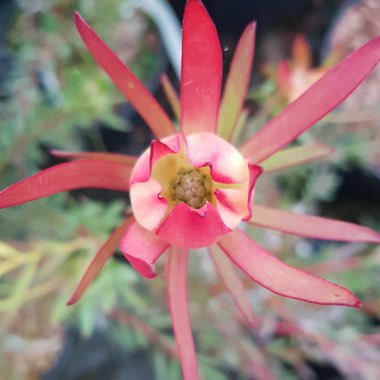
(192, 188)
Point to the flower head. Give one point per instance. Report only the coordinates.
(295, 77)
(191, 188)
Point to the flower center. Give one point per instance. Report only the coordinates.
(192, 187)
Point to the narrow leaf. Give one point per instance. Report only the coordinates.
(122, 158)
(233, 284)
(179, 311)
(96, 265)
(201, 71)
(68, 176)
(237, 83)
(308, 226)
(295, 156)
(279, 277)
(141, 99)
(327, 93)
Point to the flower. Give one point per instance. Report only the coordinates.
(294, 79)
(192, 188)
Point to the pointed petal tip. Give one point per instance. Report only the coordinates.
(279, 277)
(346, 298)
(72, 300)
(365, 234)
(252, 25)
(78, 18)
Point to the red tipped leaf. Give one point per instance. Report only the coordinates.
(96, 265)
(141, 99)
(201, 72)
(279, 277)
(309, 226)
(179, 311)
(102, 156)
(314, 104)
(68, 176)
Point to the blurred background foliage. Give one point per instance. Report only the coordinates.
(53, 96)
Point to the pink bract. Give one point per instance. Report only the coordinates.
(191, 188)
(229, 176)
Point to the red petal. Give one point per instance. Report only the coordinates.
(232, 205)
(189, 228)
(68, 176)
(233, 284)
(142, 248)
(315, 103)
(295, 156)
(237, 83)
(226, 163)
(279, 277)
(141, 99)
(104, 253)
(148, 206)
(178, 305)
(122, 158)
(143, 168)
(201, 72)
(235, 204)
(311, 226)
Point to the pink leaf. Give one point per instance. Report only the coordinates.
(309, 226)
(141, 99)
(142, 248)
(237, 83)
(279, 277)
(189, 228)
(104, 253)
(316, 102)
(68, 176)
(201, 73)
(233, 284)
(122, 158)
(178, 305)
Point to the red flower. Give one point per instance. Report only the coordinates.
(192, 188)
